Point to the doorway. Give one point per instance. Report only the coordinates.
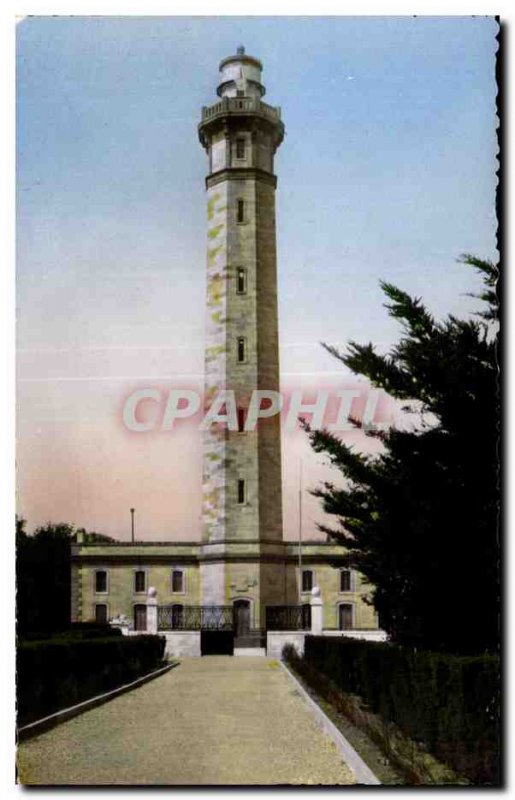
(140, 617)
(241, 617)
(345, 617)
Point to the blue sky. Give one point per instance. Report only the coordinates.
(387, 171)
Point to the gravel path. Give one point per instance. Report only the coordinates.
(212, 720)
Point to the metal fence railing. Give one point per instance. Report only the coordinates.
(222, 618)
(195, 618)
(288, 618)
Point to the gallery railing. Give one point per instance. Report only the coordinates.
(288, 618)
(195, 618)
(237, 104)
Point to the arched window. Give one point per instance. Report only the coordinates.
(240, 210)
(140, 617)
(346, 617)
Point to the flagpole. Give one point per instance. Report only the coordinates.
(300, 532)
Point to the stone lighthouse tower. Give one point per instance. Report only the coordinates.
(242, 558)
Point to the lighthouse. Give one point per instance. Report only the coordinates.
(241, 589)
(242, 500)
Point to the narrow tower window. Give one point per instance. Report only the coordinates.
(241, 490)
(241, 280)
(240, 210)
(240, 147)
(241, 420)
(241, 349)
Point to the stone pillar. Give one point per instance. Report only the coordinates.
(152, 610)
(317, 609)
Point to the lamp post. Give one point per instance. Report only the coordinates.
(300, 533)
(132, 524)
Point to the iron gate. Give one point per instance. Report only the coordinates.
(195, 618)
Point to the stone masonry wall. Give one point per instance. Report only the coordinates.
(214, 480)
(269, 430)
(120, 596)
(242, 518)
(327, 578)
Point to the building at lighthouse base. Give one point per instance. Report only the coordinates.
(245, 588)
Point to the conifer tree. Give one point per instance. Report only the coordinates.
(43, 575)
(420, 519)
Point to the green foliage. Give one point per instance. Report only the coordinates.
(490, 273)
(57, 673)
(77, 630)
(420, 520)
(450, 704)
(43, 576)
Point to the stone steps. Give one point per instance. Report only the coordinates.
(249, 651)
(250, 640)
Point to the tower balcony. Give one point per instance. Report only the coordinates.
(231, 105)
(238, 107)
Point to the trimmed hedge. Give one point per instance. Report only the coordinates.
(449, 704)
(57, 673)
(77, 630)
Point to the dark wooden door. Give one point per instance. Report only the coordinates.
(101, 614)
(241, 617)
(140, 617)
(345, 617)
